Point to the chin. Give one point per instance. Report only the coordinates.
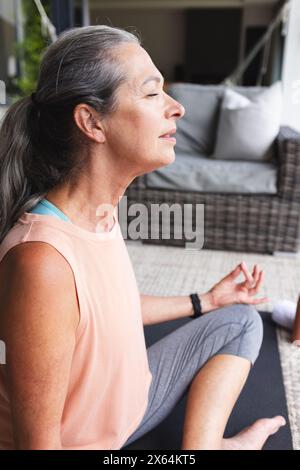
(166, 160)
(169, 160)
(160, 162)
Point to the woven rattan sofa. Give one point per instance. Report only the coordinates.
(240, 222)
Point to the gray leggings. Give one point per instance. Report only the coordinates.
(175, 359)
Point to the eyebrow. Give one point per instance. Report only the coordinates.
(152, 78)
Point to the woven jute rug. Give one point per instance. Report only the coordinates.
(165, 270)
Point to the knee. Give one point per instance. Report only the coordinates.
(240, 325)
(253, 328)
(251, 318)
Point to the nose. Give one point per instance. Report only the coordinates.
(175, 109)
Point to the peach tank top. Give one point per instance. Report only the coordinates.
(110, 377)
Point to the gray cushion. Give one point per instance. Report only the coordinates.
(196, 131)
(200, 173)
(248, 125)
(248, 91)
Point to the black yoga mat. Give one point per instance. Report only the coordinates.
(262, 396)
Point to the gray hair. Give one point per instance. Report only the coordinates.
(39, 142)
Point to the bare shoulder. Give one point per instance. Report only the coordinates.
(34, 271)
(35, 254)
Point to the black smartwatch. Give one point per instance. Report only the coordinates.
(196, 305)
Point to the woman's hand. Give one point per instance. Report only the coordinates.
(227, 292)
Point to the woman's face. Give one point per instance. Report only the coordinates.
(144, 113)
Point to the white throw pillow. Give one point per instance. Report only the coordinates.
(248, 127)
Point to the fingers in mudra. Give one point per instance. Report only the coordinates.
(248, 276)
(252, 283)
(258, 283)
(255, 273)
(259, 278)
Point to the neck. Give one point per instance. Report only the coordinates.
(89, 203)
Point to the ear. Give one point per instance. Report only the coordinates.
(89, 122)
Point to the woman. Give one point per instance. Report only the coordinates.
(77, 372)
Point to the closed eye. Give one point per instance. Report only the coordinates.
(153, 94)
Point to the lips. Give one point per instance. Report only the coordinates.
(169, 133)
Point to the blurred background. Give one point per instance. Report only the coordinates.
(196, 41)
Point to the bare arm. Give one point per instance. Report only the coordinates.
(38, 319)
(157, 309)
(225, 292)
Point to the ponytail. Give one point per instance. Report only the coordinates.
(16, 153)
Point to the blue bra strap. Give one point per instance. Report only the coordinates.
(46, 207)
